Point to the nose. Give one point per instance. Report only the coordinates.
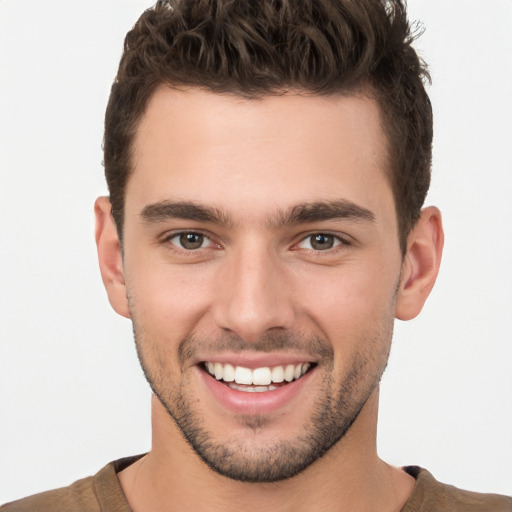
(252, 295)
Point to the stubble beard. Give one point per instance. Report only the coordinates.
(331, 419)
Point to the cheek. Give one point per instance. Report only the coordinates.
(167, 298)
(353, 304)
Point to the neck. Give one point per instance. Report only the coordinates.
(350, 476)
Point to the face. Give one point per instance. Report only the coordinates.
(261, 261)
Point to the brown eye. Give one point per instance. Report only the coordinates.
(189, 241)
(320, 242)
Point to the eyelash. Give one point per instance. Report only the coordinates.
(339, 242)
(175, 247)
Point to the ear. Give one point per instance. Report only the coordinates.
(421, 264)
(110, 256)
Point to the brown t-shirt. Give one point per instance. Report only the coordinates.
(102, 493)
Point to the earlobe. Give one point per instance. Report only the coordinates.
(421, 264)
(110, 257)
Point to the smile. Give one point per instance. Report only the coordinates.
(257, 380)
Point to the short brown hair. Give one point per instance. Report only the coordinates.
(256, 48)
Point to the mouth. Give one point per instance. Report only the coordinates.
(256, 380)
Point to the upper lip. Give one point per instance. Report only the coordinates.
(256, 360)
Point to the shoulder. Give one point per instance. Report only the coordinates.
(101, 492)
(433, 496)
(77, 497)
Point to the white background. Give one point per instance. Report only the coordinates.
(72, 396)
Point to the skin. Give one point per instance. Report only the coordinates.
(257, 278)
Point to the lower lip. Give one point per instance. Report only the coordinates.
(256, 403)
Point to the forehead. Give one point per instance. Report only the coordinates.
(230, 152)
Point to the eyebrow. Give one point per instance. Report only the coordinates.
(299, 214)
(321, 211)
(185, 210)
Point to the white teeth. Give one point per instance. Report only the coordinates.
(252, 389)
(277, 374)
(262, 376)
(258, 377)
(289, 372)
(243, 375)
(229, 373)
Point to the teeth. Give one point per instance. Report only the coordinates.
(277, 374)
(229, 373)
(262, 376)
(259, 379)
(243, 375)
(252, 389)
(289, 373)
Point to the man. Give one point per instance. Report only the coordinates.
(267, 164)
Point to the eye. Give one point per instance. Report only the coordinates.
(190, 241)
(320, 242)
